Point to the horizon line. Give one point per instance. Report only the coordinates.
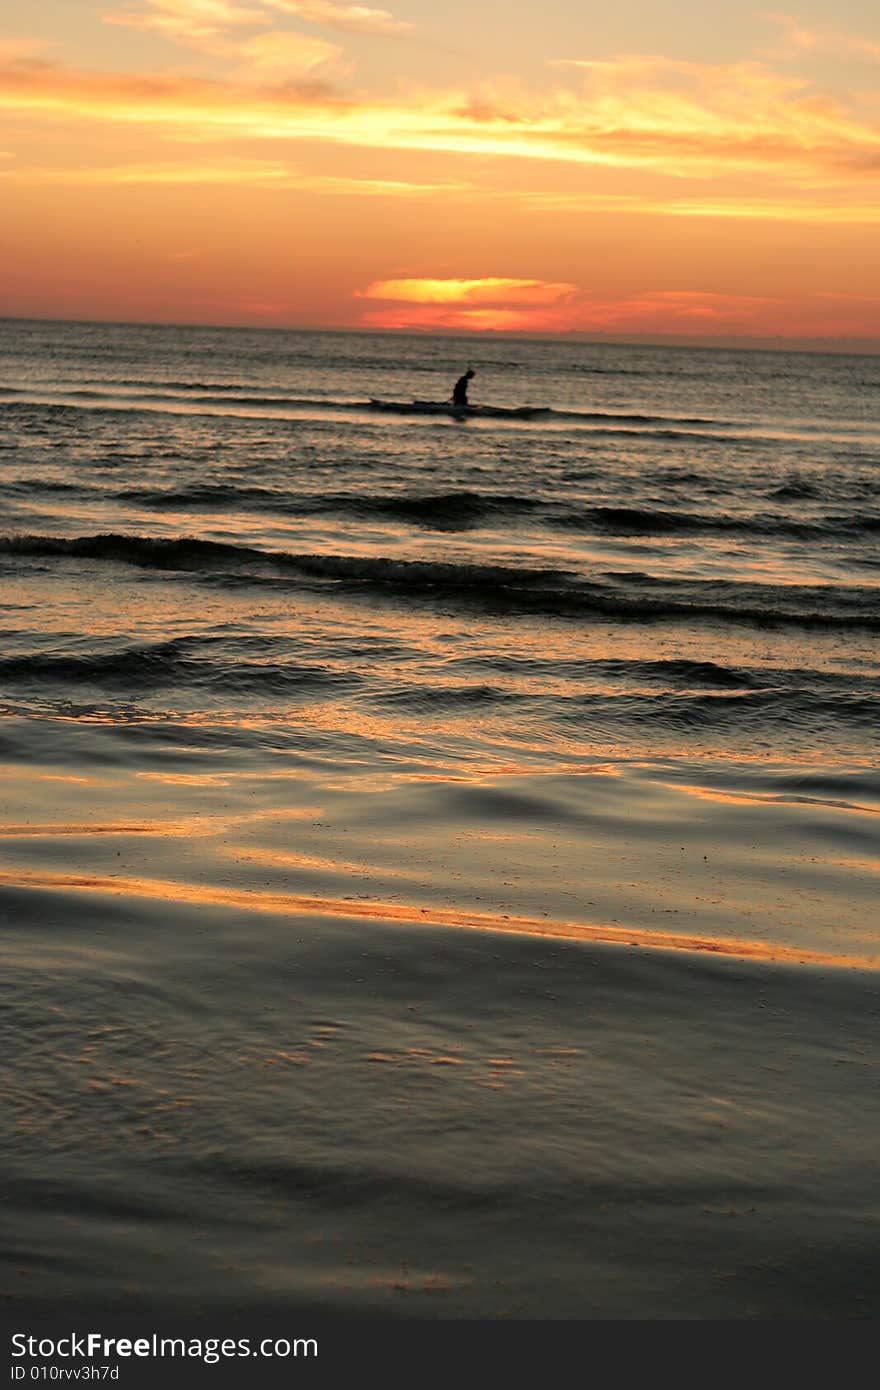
(838, 346)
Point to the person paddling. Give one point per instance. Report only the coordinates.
(460, 390)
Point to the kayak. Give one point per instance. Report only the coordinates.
(460, 412)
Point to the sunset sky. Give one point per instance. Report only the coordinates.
(632, 169)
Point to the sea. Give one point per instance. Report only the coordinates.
(438, 854)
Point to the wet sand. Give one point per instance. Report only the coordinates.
(588, 1046)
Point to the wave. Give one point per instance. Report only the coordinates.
(839, 485)
(463, 510)
(640, 521)
(271, 665)
(732, 435)
(499, 588)
(136, 668)
(136, 673)
(673, 672)
(222, 495)
(218, 387)
(446, 511)
(794, 492)
(27, 486)
(674, 710)
(192, 397)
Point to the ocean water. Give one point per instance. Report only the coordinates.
(439, 856)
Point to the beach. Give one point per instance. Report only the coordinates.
(438, 857)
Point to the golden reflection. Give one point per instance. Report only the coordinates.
(429, 777)
(11, 772)
(162, 829)
(286, 859)
(480, 771)
(772, 799)
(188, 779)
(294, 904)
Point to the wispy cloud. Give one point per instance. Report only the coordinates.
(212, 24)
(740, 115)
(236, 173)
(795, 39)
(679, 120)
(738, 206)
(229, 171)
(276, 58)
(193, 22)
(192, 107)
(218, 27)
(25, 50)
(252, 172)
(357, 19)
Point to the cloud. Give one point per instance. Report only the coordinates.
(795, 40)
(254, 172)
(491, 290)
(23, 50)
(741, 115)
(235, 172)
(742, 207)
(678, 120)
(353, 18)
(498, 304)
(196, 23)
(693, 313)
(278, 57)
(190, 107)
(431, 318)
(489, 304)
(685, 307)
(210, 24)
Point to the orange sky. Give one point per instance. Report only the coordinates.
(308, 163)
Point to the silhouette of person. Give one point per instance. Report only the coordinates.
(460, 390)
